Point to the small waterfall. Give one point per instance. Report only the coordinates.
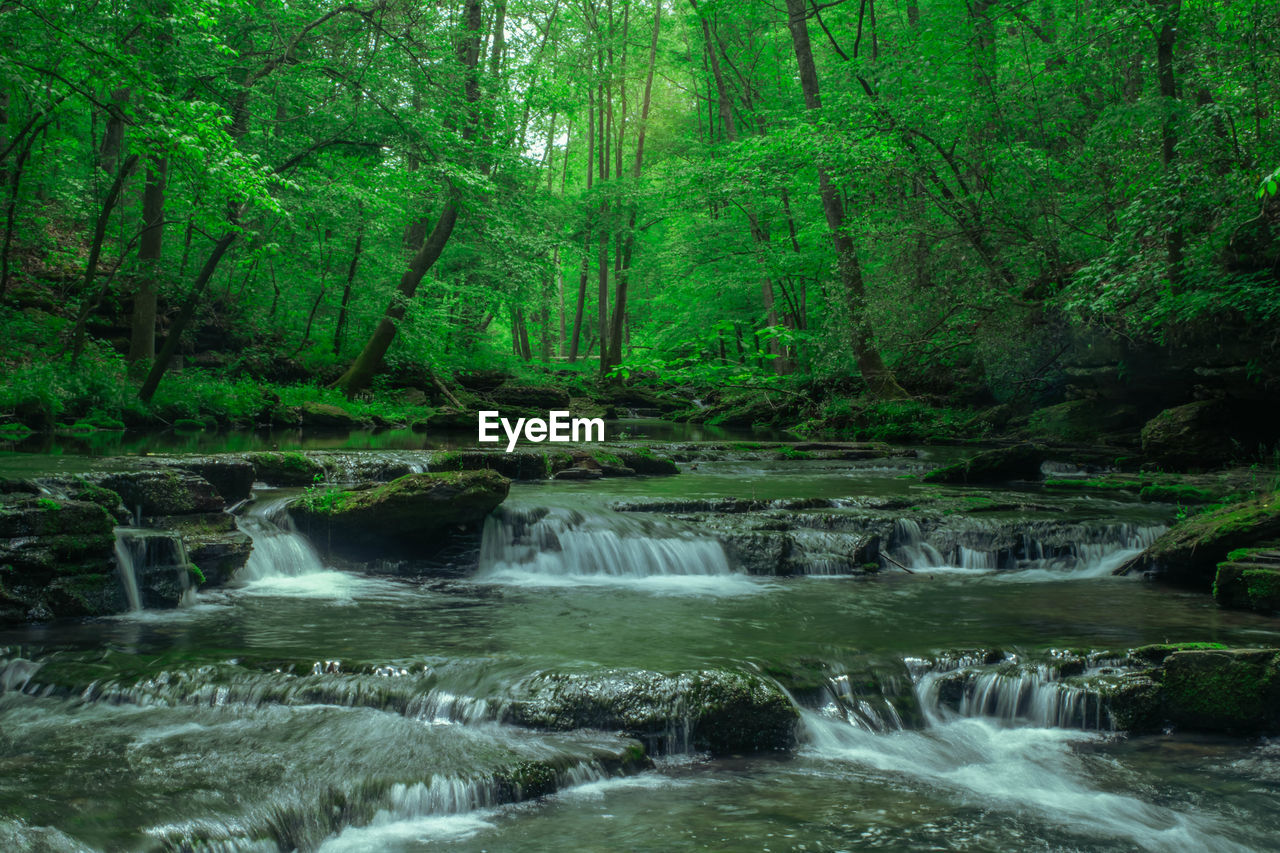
(1079, 550)
(1023, 695)
(127, 558)
(279, 550)
(144, 556)
(557, 542)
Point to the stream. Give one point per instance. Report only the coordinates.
(310, 706)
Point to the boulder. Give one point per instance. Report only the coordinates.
(412, 516)
(643, 461)
(327, 416)
(1020, 462)
(1249, 580)
(1190, 552)
(1236, 691)
(232, 476)
(164, 492)
(1198, 435)
(447, 417)
(714, 710)
(56, 559)
(285, 469)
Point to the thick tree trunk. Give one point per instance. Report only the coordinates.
(142, 343)
(880, 380)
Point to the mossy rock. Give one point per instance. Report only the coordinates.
(326, 416)
(411, 516)
(286, 469)
(1236, 691)
(1155, 653)
(715, 710)
(1190, 552)
(1176, 494)
(1204, 434)
(1249, 580)
(644, 461)
(165, 492)
(1020, 462)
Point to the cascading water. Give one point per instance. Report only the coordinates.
(1091, 550)
(144, 557)
(279, 550)
(553, 543)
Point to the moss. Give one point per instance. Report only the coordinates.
(1157, 652)
(14, 432)
(325, 501)
(99, 495)
(1221, 690)
(607, 459)
(196, 574)
(450, 460)
(188, 424)
(1176, 494)
(792, 453)
(46, 503)
(1093, 483)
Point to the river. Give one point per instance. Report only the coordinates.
(310, 706)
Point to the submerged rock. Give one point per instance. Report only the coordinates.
(1020, 462)
(411, 516)
(1190, 552)
(721, 712)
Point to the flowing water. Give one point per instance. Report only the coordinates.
(310, 707)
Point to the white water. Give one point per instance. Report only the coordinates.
(126, 566)
(564, 547)
(284, 562)
(1111, 546)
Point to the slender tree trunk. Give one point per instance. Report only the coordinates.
(346, 290)
(92, 298)
(1165, 41)
(370, 358)
(142, 343)
(624, 273)
(586, 244)
(880, 380)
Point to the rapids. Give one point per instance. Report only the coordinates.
(307, 706)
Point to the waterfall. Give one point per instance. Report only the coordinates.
(144, 555)
(127, 555)
(279, 550)
(559, 542)
(1040, 551)
(1025, 695)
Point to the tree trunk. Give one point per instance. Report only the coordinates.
(880, 380)
(1165, 41)
(367, 363)
(142, 343)
(346, 290)
(624, 272)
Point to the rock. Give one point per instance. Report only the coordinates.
(1133, 700)
(579, 474)
(544, 398)
(447, 417)
(722, 712)
(1190, 552)
(232, 476)
(1236, 691)
(166, 492)
(213, 544)
(1198, 435)
(517, 465)
(1249, 580)
(1020, 462)
(643, 461)
(411, 516)
(285, 469)
(329, 417)
(56, 559)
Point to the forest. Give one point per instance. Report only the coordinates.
(652, 425)
(909, 219)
